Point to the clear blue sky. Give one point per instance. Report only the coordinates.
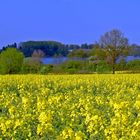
(68, 21)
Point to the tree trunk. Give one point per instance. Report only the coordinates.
(113, 69)
(113, 65)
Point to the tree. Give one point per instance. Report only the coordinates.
(50, 48)
(9, 46)
(34, 63)
(11, 61)
(97, 53)
(114, 45)
(38, 53)
(79, 53)
(133, 65)
(31, 65)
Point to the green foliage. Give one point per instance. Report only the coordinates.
(45, 69)
(103, 67)
(9, 46)
(31, 65)
(133, 65)
(91, 66)
(11, 61)
(71, 66)
(79, 53)
(121, 66)
(98, 53)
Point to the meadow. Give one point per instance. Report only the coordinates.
(70, 107)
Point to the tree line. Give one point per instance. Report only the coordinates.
(50, 48)
(102, 55)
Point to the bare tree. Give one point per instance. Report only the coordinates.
(38, 53)
(114, 45)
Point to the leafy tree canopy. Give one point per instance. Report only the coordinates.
(11, 61)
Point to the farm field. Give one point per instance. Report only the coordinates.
(70, 107)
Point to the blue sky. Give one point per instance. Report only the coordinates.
(67, 21)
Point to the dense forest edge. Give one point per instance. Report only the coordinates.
(105, 56)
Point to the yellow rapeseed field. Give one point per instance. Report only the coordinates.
(70, 107)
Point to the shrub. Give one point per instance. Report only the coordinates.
(72, 66)
(45, 69)
(133, 65)
(31, 65)
(103, 67)
(11, 61)
(121, 66)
